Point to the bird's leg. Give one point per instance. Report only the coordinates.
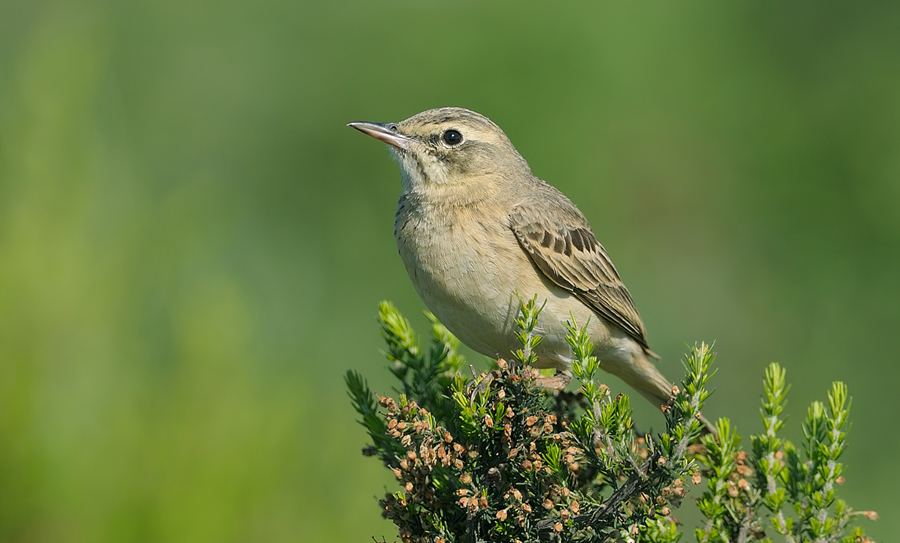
(478, 385)
(557, 382)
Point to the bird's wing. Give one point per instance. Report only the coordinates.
(567, 252)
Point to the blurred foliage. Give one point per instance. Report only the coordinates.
(188, 231)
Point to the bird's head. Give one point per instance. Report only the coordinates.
(448, 147)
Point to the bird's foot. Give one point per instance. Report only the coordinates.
(557, 382)
(479, 384)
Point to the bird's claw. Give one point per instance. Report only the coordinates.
(556, 382)
(479, 384)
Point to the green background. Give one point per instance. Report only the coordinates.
(192, 244)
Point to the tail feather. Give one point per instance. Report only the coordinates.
(644, 377)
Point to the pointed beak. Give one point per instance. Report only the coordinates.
(386, 132)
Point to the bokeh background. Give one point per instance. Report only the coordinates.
(192, 244)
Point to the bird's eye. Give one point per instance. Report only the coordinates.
(452, 137)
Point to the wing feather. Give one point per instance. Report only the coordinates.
(568, 253)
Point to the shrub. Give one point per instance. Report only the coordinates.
(495, 458)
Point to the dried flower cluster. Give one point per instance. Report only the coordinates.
(504, 472)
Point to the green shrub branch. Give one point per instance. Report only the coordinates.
(495, 458)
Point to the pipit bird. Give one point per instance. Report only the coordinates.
(476, 230)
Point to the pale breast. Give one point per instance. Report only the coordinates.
(462, 265)
(468, 268)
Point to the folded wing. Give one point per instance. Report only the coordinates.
(567, 252)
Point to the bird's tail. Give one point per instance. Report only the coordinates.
(644, 377)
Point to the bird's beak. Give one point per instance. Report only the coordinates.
(386, 132)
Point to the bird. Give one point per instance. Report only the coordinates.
(477, 231)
